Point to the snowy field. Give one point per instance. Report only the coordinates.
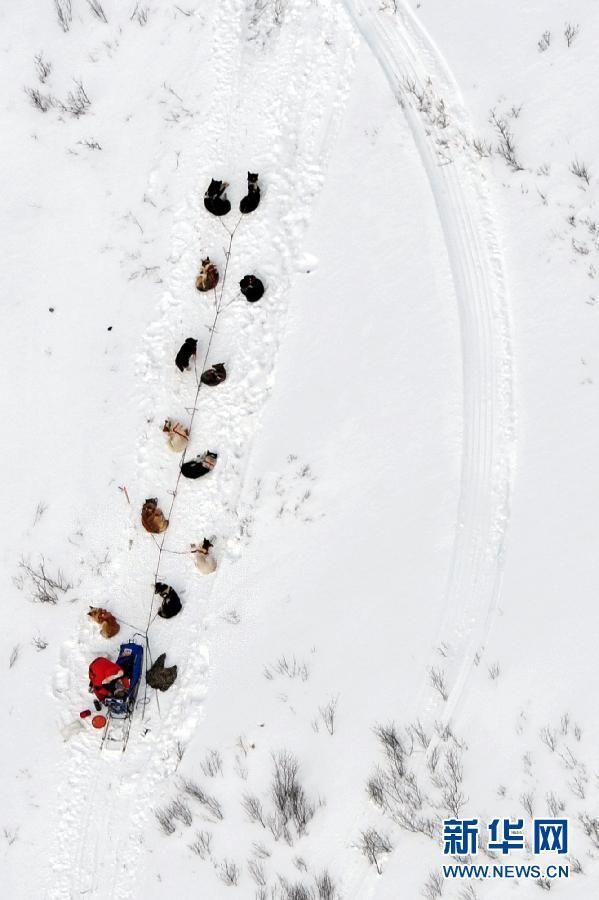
(402, 624)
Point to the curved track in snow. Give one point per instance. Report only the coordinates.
(407, 54)
(275, 109)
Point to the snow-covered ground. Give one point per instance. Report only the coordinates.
(404, 504)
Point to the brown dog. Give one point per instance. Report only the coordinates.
(109, 624)
(208, 277)
(152, 517)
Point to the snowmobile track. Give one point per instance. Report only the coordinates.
(405, 51)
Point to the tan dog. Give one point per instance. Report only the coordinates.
(152, 517)
(208, 277)
(203, 559)
(177, 435)
(109, 624)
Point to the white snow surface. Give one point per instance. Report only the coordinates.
(406, 481)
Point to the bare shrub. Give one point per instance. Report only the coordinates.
(527, 801)
(139, 14)
(549, 738)
(210, 803)
(482, 148)
(506, 147)
(554, 805)
(180, 810)
(165, 820)
(77, 102)
(375, 845)
(580, 170)
(591, 828)
(494, 671)
(575, 865)
(43, 69)
(10, 835)
(253, 807)
(97, 10)
(418, 734)
(571, 33)
(437, 679)
(43, 102)
(212, 764)
(433, 888)
(202, 845)
(228, 872)
(64, 13)
(37, 579)
(397, 791)
(260, 851)
(545, 41)
(14, 655)
(289, 668)
(325, 887)
(328, 713)
(256, 871)
(289, 797)
(39, 643)
(543, 883)
(297, 891)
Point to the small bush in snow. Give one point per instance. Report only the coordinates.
(437, 679)
(64, 13)
(253, 807)
(433, 889)
(289, 797)
(256, 871)
(375, 845)
(325, 887)
(77, 102)
(571, 33)
(43, 69)
(210, 803)
(328, 713)
(44, 586)
(43, 102)
(14, 655)
(591, 828)
(165, 820)
(212, 764)
(180, 810)
(202, 845)
(97, 10)
(581, 171)
(140, 14)
(545, 41)
(506, 147)
(228, 872)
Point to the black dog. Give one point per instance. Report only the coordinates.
(215, 375)
(251, 288)
(215, 198)
(171, 604)
(250, 202)
(199, 466)
(186, 351)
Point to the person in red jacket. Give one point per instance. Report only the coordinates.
(106, 679)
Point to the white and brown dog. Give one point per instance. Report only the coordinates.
(204, 561)
(208, 277)
(177, 435)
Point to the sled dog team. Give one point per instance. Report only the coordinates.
(177, 434)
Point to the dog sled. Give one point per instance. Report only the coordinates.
(115, 685)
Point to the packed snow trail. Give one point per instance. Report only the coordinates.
(271, 109)
(412, 64)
